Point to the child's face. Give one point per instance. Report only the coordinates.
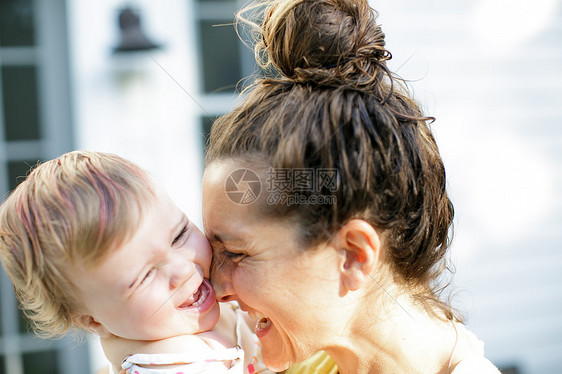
(154, 286)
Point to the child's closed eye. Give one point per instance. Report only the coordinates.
(181, 236)
(148, 275)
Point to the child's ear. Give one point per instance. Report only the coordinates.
(89, 323)
(362, 247)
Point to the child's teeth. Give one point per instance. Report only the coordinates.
(202, 298)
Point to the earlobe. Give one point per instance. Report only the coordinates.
(89, 323)
(361, 245)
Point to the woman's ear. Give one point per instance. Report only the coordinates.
(89, 323)
(362, 248)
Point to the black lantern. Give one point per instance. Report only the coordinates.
(132, 37)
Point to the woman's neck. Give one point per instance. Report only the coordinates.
(407, 340)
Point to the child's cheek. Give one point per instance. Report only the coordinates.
(205, 255)
(150, 303)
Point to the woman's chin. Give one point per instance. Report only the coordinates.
(275, 356)
(274, 362)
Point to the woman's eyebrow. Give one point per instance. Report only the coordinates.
(216, 238)
(222, 239)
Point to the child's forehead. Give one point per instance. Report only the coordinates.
(154, 213)
(160, 220)
(158, 216)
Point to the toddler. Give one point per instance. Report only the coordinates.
(90, 241)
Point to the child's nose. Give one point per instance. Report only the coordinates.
(180, 271)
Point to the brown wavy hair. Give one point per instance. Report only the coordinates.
(335, 105)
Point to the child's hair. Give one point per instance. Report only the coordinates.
(336, 106)
(74, 208)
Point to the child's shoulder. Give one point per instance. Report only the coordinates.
(116, 349)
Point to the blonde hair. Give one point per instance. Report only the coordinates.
(76, 207)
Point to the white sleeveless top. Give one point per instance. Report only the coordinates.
(229, 360)
(476, 363)
(244, 358)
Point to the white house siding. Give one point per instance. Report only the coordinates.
(139, 105)
(490, 71)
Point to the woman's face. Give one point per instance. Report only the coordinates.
(291, 292)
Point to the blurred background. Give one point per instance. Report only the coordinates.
(146, 79)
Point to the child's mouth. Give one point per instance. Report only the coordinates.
(201, 299)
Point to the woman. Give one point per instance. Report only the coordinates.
(324, 200)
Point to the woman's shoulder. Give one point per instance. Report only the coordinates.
(319, 363)
(475, 364)
(472, 352)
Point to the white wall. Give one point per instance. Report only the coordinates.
(137, 106)
(491, 72)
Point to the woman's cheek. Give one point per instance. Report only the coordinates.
(220, 268)
(242, 280)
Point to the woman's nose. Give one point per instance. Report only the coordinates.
(221, 281)
(223, 290)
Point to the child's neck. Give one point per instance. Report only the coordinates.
(223, 334)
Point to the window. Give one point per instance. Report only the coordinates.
(206, 124)
(224, 60)
(34, 125)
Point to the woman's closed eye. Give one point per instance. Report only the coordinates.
(233, 256)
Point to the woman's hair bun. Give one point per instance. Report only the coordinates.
(322, 41)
